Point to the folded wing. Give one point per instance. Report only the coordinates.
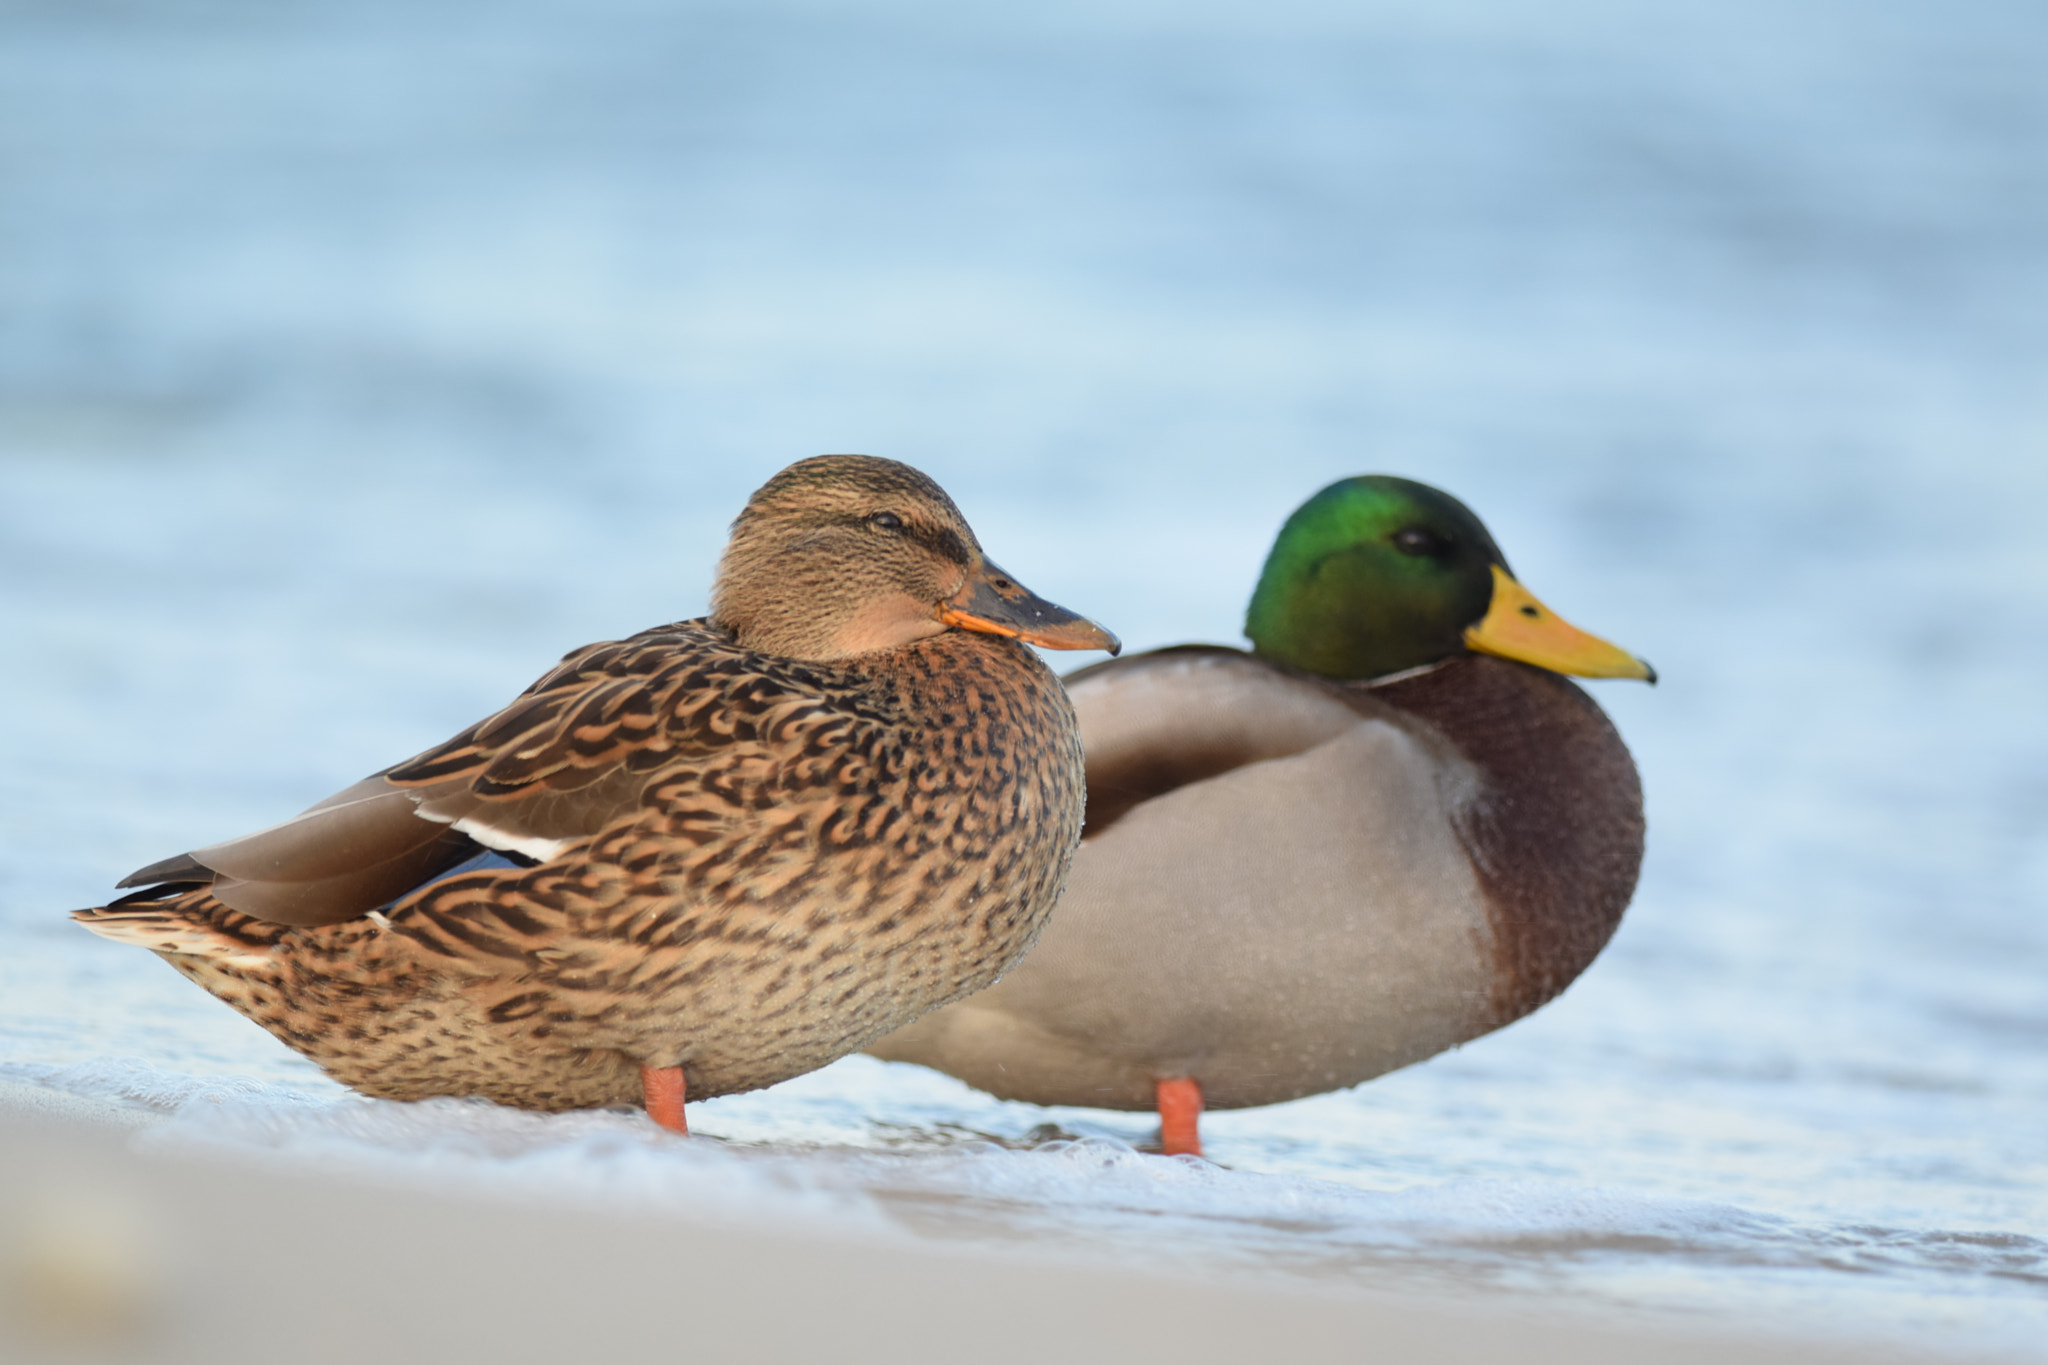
(568, 756)
(1159, 721)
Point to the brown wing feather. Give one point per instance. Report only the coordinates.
(353, 852)
(183, 869)
(600, 709)
(569, 755)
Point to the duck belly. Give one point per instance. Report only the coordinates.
(395, 1011)
(1289, 927)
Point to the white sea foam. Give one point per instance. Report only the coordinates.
(1049, 1192)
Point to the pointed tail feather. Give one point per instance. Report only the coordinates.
(222, 936)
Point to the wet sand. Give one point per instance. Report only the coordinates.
(118, 1252)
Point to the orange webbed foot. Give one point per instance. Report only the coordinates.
(664, 1090)
(1180, 1116)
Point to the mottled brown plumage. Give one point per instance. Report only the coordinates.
(756, 841)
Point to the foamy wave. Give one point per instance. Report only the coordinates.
(1058, 1193)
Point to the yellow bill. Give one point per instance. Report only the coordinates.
(1517, 626)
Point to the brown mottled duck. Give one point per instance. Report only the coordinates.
(1389, 828)
(700, 860)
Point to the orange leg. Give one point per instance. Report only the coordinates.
(663, 1088)
(1180, 1116)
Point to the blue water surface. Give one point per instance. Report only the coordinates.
(358, 359)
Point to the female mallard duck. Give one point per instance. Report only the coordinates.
(1378, 835)
(701, 860)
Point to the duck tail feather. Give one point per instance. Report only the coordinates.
(177, 931)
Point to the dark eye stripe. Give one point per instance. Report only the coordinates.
(945, 544)
(940, 540)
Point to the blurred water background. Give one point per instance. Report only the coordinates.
(357, 359)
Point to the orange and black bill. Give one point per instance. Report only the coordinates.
(1517, 626)
(997, 604)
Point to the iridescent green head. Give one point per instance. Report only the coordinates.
(1376, 574)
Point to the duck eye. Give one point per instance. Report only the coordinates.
(1419, 540)
(886, 521)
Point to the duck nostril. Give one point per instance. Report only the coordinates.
(1531, 612)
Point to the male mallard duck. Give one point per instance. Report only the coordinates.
(726, 851)
(1388, 829)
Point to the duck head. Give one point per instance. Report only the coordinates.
(848, 554)
(1375, 575)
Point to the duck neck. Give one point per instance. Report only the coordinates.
(1556, 833)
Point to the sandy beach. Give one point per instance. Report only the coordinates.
(148, 1257)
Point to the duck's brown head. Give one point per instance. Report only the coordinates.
(847, 554)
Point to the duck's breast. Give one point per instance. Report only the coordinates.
(1306, 917)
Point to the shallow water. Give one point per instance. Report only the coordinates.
(355, 362)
